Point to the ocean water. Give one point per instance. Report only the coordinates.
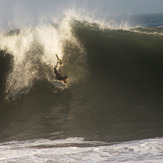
(111, 110)
(78, 150)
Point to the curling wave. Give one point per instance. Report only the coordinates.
(115, 88)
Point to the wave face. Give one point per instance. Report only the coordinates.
(115, 81)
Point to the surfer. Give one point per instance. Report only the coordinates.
(57, 68)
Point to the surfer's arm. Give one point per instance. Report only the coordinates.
(59, 61)
(58, 66)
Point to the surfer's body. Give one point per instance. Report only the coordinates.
(57, 68)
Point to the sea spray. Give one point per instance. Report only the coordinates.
(34, 48)
(33, 51)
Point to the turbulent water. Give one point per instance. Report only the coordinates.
(114, 93)
(78, 150)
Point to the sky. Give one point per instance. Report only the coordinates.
(116, 6)
(27, 10)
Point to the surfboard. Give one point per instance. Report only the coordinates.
(58, 84)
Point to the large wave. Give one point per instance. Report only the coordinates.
(34, 48)
(115, 86)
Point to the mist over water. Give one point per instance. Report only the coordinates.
(33, 53)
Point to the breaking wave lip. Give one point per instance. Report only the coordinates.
(33, 49)
(70, 150)
(110, 24)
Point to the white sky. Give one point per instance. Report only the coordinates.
(25, 10)
(115, 6)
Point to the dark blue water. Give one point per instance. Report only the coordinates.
(149, 20)
(145, 20)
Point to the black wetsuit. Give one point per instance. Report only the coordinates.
(57, 69)
(58, 75)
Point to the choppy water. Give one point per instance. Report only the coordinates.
(78, 150)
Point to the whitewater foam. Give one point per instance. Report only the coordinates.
(33, 50)
(70, 150)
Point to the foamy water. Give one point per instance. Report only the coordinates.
(79, 150)
(33, 51)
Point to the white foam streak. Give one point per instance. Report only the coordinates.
(70, 150)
